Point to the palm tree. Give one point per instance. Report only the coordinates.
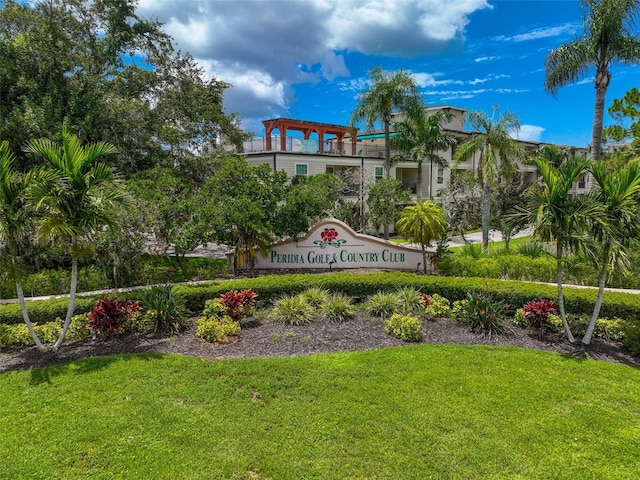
(422, 222)
(13, 217)
(613, 232)
(608, 37)
(76, 195)
(497, 153)
(422, 136)
(387, 91)
(557, 215)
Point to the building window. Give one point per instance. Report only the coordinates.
(330, 170)
(440, 179)
(581, 182)
(379, 173)
(302, 169)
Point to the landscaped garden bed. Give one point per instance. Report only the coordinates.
(269, 339)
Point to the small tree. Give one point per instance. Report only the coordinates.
(14, 216)
(422, 137)
(383, 200)
(76, 195)
(509, 195)
(242, 202)
(497, 152)
(614, 231)
(557, 215)
(462, 198)
(422, 222)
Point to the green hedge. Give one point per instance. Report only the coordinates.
(358, 286)
(44, 311)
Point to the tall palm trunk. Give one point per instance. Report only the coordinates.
(72, 296)
(387, 149)
(486, 215)
(419, 182)
(601, 83)
(424, 252)
(23, 308)
(387, 164)
(602, 281)
(563, 314)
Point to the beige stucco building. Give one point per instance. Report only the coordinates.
(358, 157)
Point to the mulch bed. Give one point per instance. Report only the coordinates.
(268, 339)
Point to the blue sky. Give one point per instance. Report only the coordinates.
(309, 59)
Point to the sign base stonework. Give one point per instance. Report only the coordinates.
(333, 244)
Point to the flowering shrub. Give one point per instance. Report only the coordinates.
(239, 305)
(110, 314)
(537, 313)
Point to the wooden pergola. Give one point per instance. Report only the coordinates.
(307, 128)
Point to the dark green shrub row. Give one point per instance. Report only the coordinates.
(153, 270)
(578, 270)
(359, 286)
(515, 267)
(44, 311)
(55, 282)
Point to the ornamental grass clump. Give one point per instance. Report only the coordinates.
(409, 300)
(405, 327)
(337, 308)
(292, 310)
(316, 296)
(382, 305)
(164, 309)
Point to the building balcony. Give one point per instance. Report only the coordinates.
(310, 146)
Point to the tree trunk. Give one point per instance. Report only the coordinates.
(419, 182)
(431, 180)
(486, 215)
(387, 149)
(507, 241)
(72, 299)
(387, 165)
(601, 83)
(602, 281)
(563, 315)
(25, 314)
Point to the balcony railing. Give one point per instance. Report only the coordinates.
(298, 145)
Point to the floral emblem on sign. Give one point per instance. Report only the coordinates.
(329, 238)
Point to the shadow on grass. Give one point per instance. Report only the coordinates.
(87, 365)
(83, 356)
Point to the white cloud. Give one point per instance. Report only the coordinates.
(265, 47)
(531, 133)
(538, 33)
(406, 28)
(485, 59)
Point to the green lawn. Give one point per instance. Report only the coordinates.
(442, 412)
(498, 245)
